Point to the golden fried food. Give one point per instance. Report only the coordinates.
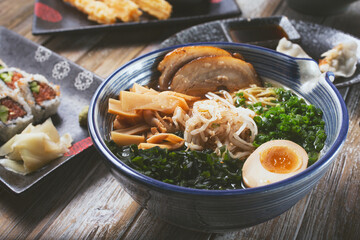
(125, 10)
(160, 9)
(108, 11)
(96, 10)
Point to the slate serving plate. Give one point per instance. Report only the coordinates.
(51, 17)
(315, 39)
(77, 86)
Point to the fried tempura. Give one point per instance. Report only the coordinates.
(160, 9)
(108, 11)
(96, 10)
(125, 10)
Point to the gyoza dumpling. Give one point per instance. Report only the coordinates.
(341, 60)
(291, 49)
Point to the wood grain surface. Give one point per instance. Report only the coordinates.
(81, 200)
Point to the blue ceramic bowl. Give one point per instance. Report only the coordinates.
(216, 210)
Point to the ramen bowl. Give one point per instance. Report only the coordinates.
(223, 210)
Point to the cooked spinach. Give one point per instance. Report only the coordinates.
(194, 169)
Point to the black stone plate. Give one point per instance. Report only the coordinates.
(315, 39)
(52, 17)
(77, 86)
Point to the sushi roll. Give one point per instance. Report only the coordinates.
(9, 77)
(42, 96)
(15, 113)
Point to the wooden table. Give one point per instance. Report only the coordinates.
(82, 199)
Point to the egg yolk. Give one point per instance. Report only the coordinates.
(280, 159)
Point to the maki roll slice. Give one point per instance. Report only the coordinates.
(15, 114)
(24, 98)
(42, 96)
(9, 77)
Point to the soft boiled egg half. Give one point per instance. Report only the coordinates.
(274, 161)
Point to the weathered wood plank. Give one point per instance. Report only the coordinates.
(284, 226)
(14, 12)
(32, 209)
(107, 56)
(74, 46)
(19, 18)
(99, 209)
(150, 227)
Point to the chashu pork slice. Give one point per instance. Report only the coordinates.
(177, 58)
(210, 74)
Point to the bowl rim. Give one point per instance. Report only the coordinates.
(129, 172)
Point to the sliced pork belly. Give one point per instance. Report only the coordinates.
(177, 58)
(209, 74)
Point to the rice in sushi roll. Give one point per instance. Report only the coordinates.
(43, 97)
(15, 113)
